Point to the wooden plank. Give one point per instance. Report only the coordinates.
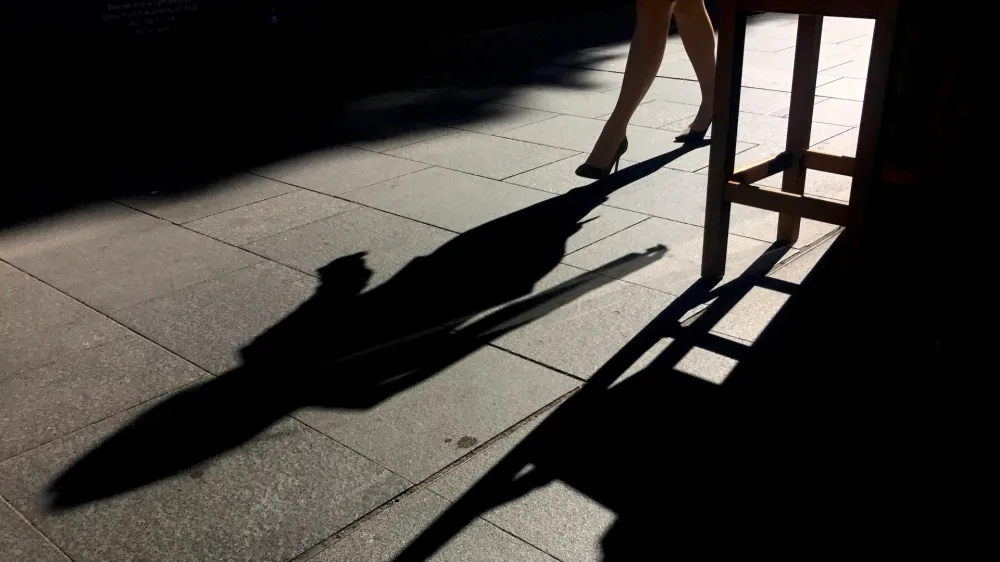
(790, 203)
(764, 169)
(834, 8)
(807, 45)
(866, 171)
(726, 107)
(830, 163)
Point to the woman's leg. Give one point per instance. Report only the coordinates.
(644, 57)
(698, 36)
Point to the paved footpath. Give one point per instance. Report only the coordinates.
(216, 303)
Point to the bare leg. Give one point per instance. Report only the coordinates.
(644, 57)
(698, 36)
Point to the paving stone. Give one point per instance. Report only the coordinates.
(484, 155)
(609, 58)
(582, 334)
(79, 388)
(389, 242)
(209, 323)
(769, 130)
(192, 204)
(447, 198)
(426, 427)
(838, 112)
(658, 113)
(259, 220)
(77, 226)
(339, 169)
(767, 44)
(557, 177)
(383, 537)
(748, 319)
(843, 88)
(671, 89)
(771, 79)
(857, 69)
(38, 324)
(559, 99)
(862, 41)
(267, 501)
(765, 102)
(492, 118)
(845, 144)
(386, 136)
(763, 225)
(115, 269)
(582, 80)
(698, 362)
(796, 269)
(679, 268)
(680, 68)
(577, 133)
(20, 542)
(555, 518)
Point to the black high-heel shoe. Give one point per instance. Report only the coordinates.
(593, 172)
(692, 135)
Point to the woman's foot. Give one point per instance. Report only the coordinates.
(697, 129)
(605, 149)
(597, 171)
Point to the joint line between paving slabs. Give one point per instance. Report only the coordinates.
(34, 528)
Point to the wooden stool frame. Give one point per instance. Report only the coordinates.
(726, 186)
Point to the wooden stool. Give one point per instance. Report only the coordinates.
(726, 186)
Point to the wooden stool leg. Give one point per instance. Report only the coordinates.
(807, 47)
(726, 108)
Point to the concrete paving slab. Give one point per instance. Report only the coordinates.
(193, 204)
(20, 542)
(423, 429)
(39, 324)
(567, 101)
(494, 119)
(381, 538)
(80, 388)
(483, 155)
(338, 169)
(265, 218)
(843, 88)
(769, 130)
(658, 113)
(845, 144)
(389, 242)
(209, 323)
(267, 501)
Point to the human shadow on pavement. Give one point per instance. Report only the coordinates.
(345, 348)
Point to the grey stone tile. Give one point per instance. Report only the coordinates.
(20, 542)
(38, 324)
(577, 133)
(765, 102)
(193, 204)
(383, 137)
(583, 80)
(339, 169)
(838, 112)
(557, 177)
(381, 538)
(669, 194)
(78, 226)
(259, 220)
(116, 269)
(857, 69)
(771, 79)
(763, 225)
(581, 335)
(658, 113)
(748, 319)
(698, 362)
(680, 68)
(845, 144)
(768, 44)
(609, 58)
(843, 88)
(679, 268)
(209, 323)
(492, 118)
(390, 242)
(484, 155)
(862, 41)
(80, 388)
(269, 500)
(671, 89)
(562, 99)
(837, 32)
(448, 199)
(423, 429)
(555, 518)
(769, 129)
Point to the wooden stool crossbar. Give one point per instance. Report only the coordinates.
(727, 186)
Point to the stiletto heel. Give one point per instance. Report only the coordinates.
(692, 135)
(593, 172)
